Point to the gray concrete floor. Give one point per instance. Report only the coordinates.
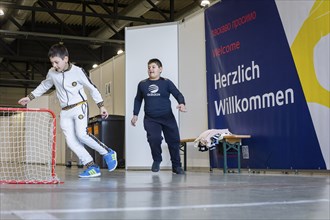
(145, 195)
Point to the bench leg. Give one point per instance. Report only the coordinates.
(224, 145)
(183, 148)
(239, 157)
(227, 146)
(185, 156)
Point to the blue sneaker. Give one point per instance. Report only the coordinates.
(92, 171)
(111, 160)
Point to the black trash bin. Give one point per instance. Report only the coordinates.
(111, 132)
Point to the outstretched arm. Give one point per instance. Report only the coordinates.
(178, 96)
(24, 101)
(137, 105)
(181, 107)
(134, 120)
(104, 112)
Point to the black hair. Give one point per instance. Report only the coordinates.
(58, 50)
(156, 61)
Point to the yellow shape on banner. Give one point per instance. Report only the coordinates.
(313, 29)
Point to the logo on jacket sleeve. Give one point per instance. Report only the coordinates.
(153, 89)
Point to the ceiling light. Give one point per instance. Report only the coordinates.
(120, 51)
(205, 3)
(95, 65)
(1, 12)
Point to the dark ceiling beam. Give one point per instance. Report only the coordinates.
(9, 61)
(40, 71)
(158, 10)
(12, 74)
(18, 71)
(17, 86)
(7, 48)
(15, 22)
(69, 12)
(105, 8)
(172, 10)
(33, 20)
(104, 21)
(83, 20)
(110, 12)
(6, 69)
(14, 70)
(22, 83)
(115, 6)
(59, 37)
(91, 2)
(194, 5)
(38, 59)
(45, 4)
(54, 2)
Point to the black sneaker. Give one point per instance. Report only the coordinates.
(177, 170)
(155, 166)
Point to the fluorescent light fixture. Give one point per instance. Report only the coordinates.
(120, 51)
(95, 65)
(1, 12)
(205, 3)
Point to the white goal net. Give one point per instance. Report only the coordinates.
(27, 146)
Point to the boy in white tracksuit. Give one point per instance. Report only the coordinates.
(69, 81)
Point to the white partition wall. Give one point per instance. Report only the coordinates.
(143, 43)
(109, 78)
(106, 84)
(119, 85)
(192, 80)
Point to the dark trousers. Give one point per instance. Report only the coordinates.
(154, 128)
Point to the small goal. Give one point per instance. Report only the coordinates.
(27, 146)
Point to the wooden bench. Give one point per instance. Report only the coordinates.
(231, 142)
(183, 148)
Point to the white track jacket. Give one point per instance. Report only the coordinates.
(69, 86)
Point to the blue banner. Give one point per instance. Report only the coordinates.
(253, 87)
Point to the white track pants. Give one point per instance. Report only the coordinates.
(74, 124)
